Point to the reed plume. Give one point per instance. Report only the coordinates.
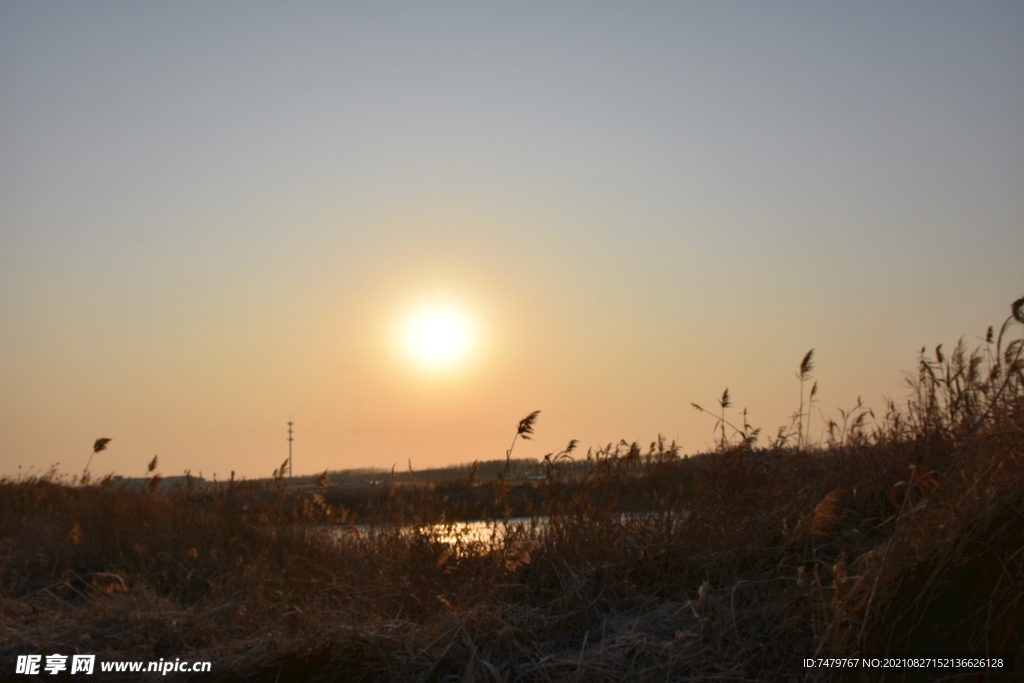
(525, 430)
(97, 446)
(806, 366)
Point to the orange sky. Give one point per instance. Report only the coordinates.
(220, 218)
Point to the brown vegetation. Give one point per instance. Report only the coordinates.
(893, 537)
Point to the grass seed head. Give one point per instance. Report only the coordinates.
(807, 364)
(526, 424)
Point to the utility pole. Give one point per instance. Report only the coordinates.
(289, 449)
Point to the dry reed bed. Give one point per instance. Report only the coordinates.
(894, 537)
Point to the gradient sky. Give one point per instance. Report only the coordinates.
(216, 217)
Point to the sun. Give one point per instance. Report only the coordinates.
(437, 336)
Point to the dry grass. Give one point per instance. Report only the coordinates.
(894, 537)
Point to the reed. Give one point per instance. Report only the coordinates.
(894, 536)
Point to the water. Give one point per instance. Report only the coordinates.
(490, 534)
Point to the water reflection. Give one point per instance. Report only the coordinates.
(490, 533)
(493, 533)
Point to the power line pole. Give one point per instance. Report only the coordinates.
(289, 449)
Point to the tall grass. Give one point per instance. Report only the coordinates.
(893, 536)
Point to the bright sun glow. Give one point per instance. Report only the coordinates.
(437, 336)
